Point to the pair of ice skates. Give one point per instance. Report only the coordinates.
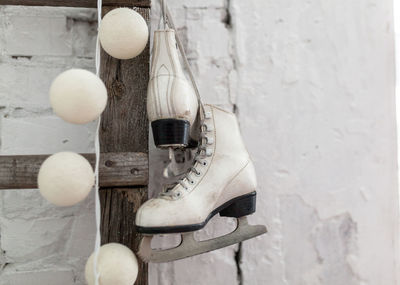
(222, 178)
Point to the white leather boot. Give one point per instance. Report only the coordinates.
(171, 101)
(222, 180)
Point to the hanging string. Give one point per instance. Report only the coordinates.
(164, 13)
(97, 151)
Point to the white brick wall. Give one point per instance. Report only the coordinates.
(312, 83)
(42, 244)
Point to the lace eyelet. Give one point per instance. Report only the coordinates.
(197, 173)
(178, 194)
(191, 181)
(204, 163)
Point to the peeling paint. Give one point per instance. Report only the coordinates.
(326, 244)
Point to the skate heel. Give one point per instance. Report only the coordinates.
(170, 133)
(243, 206)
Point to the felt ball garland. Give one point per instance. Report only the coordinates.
(65, 178)
(123, 33)
(79, 96)
(116, 263)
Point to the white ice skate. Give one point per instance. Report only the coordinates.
(222, 180)
(172, 104)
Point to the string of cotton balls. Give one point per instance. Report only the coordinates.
(116, 263)
(79, 96)
(65, 178)
(123, 33)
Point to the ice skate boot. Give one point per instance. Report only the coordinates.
(171, 100)
(221, 181)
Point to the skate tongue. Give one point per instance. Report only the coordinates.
(172, 169)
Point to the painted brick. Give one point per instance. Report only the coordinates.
(30, 240)
(47, 277)
(44, 134)
(29, 30)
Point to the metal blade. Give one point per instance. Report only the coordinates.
(190, 247)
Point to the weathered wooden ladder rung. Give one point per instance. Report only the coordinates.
(116, 170)
(78, 3)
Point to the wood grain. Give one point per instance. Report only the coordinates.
(77, 3)
(116, 169)
(124, 128)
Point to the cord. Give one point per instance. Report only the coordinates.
(97, 151)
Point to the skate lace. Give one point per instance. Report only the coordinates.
(200, 158)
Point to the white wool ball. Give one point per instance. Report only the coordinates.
(78, 96)
(116, 264)
(123, 33)
(65, 178)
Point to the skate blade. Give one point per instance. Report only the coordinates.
(189, 246)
